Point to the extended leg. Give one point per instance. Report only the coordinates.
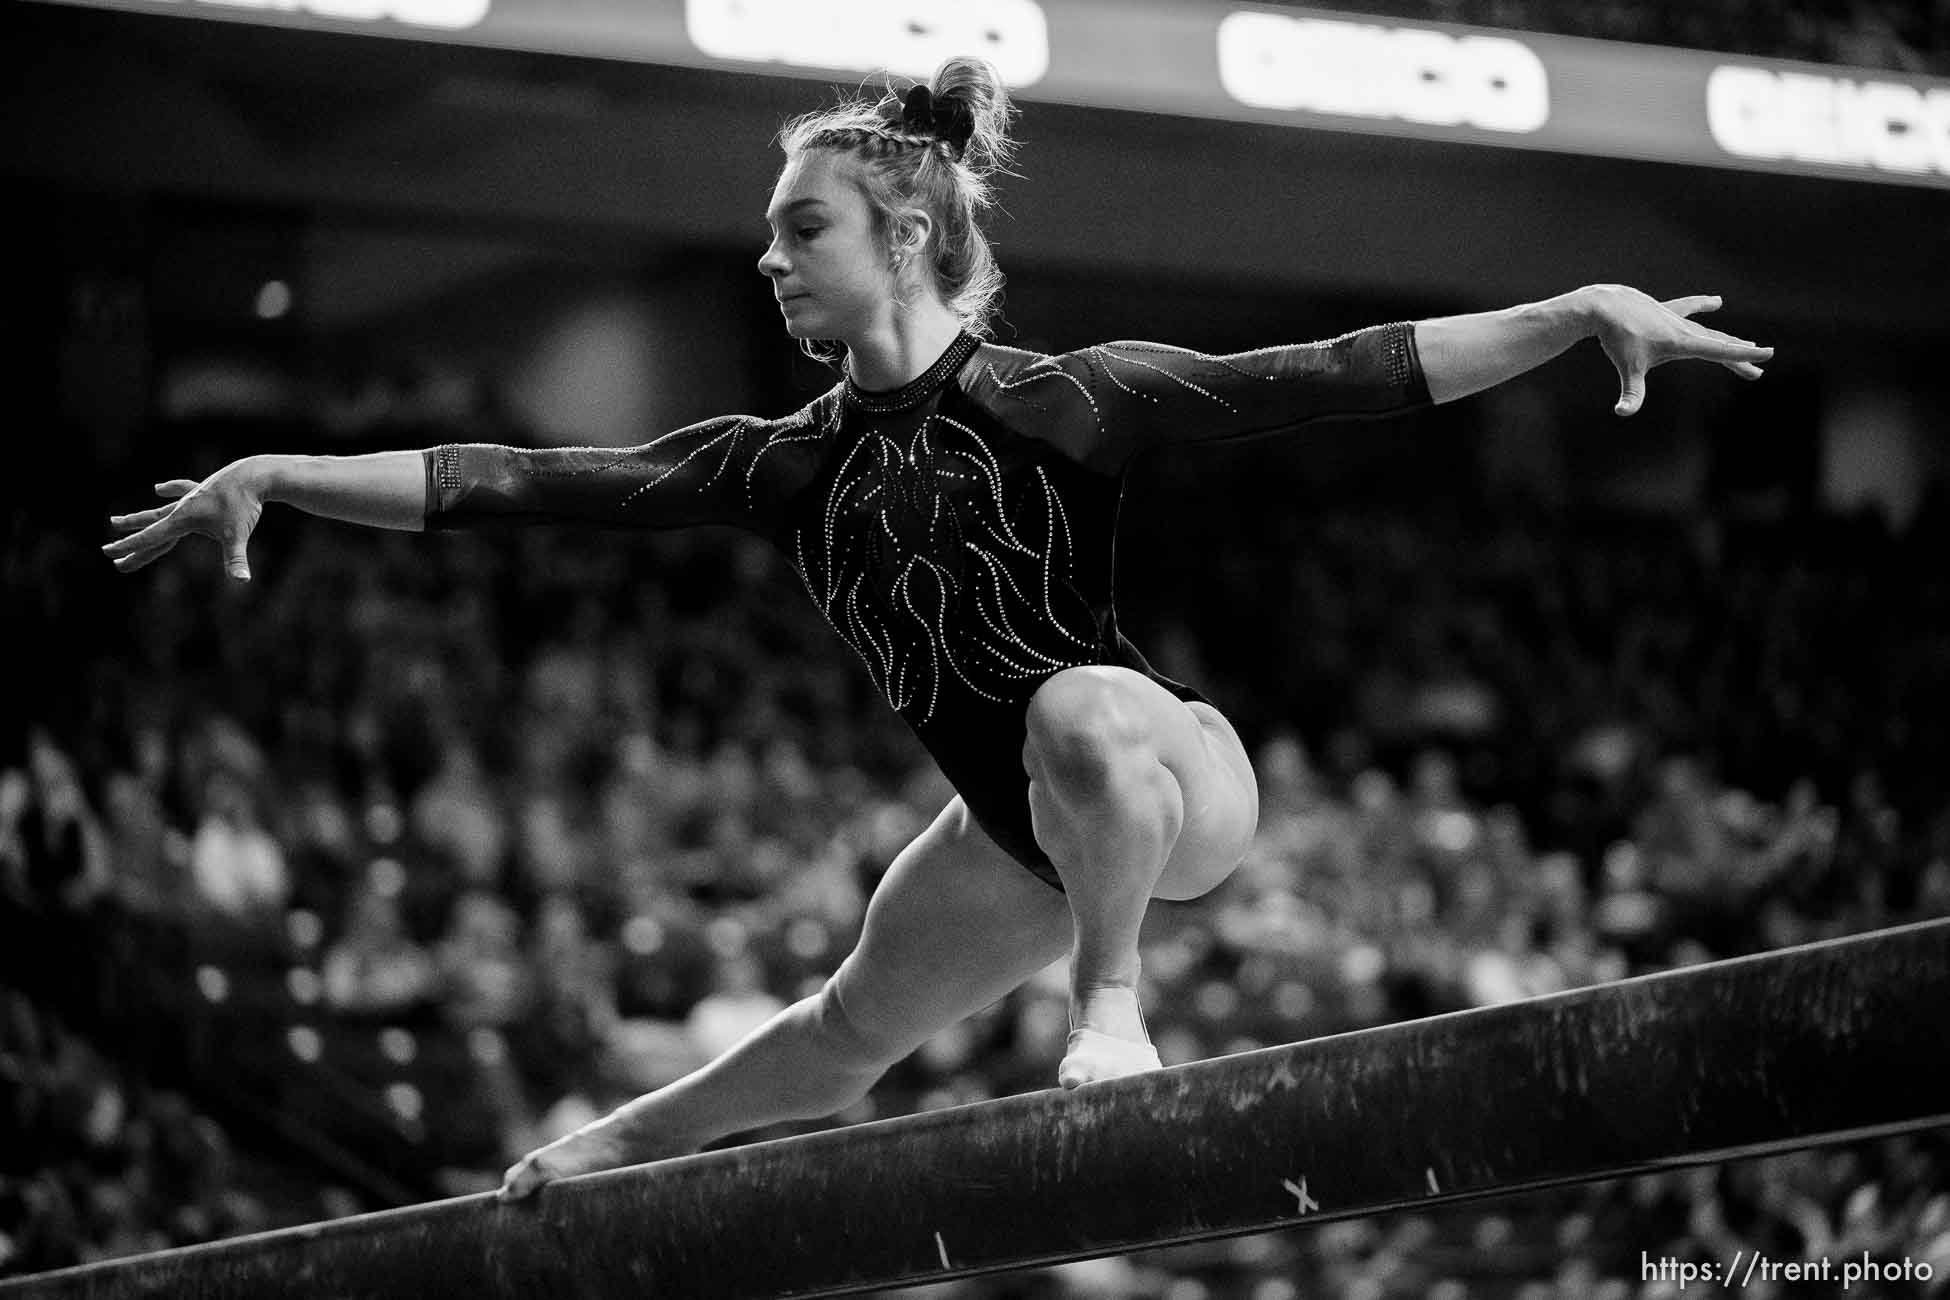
(1134, 794)
(954, 926)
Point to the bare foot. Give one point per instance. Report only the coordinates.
(1108, 1041)
(608, 1143)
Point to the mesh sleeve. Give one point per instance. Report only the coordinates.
(716, 472)
(1143, 394)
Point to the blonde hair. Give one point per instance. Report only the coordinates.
(903, 167)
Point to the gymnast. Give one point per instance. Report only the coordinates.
(950, 504)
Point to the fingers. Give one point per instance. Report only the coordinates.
(1744, 359)
(1693, 304)
(141, 519)
(1631, 392)
(235, 562)
(149, 534)
(142, 559)
(148, 538)
(141, 549)
(1732, 346)
(1717, 345)
(1700, 343)
(523, 1179)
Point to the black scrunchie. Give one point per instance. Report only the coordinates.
(949, 120)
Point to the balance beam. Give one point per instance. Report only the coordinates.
(1830, 1042)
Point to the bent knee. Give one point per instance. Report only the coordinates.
(1083, 724)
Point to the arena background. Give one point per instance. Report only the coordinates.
(341, 890)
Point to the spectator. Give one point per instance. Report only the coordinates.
(573, 1009)
(375, 969)
(147, 856)
(484, 983)
(63, 859)
(458, 813)
(237, 867)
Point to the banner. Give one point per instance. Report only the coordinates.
(1319, 69)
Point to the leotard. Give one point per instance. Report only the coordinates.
(958, 531)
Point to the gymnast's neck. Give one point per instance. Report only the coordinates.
(901, 346)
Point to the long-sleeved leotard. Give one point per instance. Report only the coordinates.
(958, 532)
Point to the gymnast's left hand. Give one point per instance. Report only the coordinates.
(1639, 332)
(600, 1144)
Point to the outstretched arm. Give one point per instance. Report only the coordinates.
(713, 472)
(1466, 354)
(1127, 396)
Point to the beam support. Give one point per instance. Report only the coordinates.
(1824, 1043)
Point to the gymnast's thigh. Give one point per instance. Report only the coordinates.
(955, 924)
(1221, 796)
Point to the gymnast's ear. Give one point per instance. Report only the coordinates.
(913, 228)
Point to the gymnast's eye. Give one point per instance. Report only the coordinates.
(808, 232)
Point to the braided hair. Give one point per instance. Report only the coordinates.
(934, 149)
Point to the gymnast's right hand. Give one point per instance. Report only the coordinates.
(224, 507)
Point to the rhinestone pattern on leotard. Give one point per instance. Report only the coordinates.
(938, 565)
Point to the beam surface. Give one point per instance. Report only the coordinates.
(1823, 1043)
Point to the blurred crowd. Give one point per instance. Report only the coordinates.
(435, 847)
(1894, 35)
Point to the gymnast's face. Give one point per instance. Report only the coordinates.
(829, 270)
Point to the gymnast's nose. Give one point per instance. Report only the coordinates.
(772, 263)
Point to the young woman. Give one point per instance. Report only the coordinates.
(950, 504)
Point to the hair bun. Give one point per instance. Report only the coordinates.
(973, 90)
(947, 119)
